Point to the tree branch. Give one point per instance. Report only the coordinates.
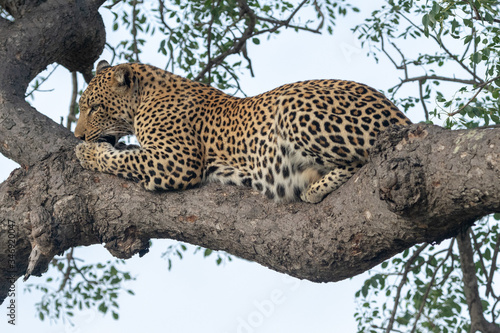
(422, 100)
(73, 107)
(438, 78)
(481, 87)
(493, 268)
(471, 288)
(240, 42)
(448, 52)
(4, 23)
(22, 61)
(407, 268)
(430, 285)
(480, 18)
(424, 184)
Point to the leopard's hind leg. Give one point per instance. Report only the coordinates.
(328, 183)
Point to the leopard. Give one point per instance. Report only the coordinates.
(300, 141)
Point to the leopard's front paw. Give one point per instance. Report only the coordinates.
(88, 152)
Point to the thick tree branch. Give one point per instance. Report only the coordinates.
(4, 23)
(76, 39)
(424, 184)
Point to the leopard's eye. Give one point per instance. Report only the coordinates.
(94, 108)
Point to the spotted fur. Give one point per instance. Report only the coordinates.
(303, 139)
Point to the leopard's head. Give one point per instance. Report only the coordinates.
(108, 105)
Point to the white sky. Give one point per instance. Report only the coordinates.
(197, 295)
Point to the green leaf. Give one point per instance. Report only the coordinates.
(103, 308)
(476, 57)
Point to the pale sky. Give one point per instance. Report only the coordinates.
(196, 295)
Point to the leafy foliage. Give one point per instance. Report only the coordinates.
(210, 41)
(178, 249)
(421, 290)
(74, 287)
(457, 37)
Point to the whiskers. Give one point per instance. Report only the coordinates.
(119, 129)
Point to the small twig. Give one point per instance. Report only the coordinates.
(430, 285)
(433, 77)
(439, 78)
(407, 269)
(480, 18)
(493, 268)
(162, 17)
(478, 15)
(235, 78)
(420, 84)
(134, 30)
(481, 87)
(42, 81)
(384, 329)
(240, 42)
(473, 34)
(245, 55)
(113, 51)
(477, 247)
(72, 105)
(69, 256)
(318, 10)
(445, 49)
(81, 273)
(403, 60)
(209, 42)
(493, 310)
(447, 275)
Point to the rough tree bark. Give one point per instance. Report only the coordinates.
(423, 184)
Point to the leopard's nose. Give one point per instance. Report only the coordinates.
(81, 136)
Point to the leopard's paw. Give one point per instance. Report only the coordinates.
(88, 152)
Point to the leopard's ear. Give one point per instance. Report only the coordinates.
(122, 79)
(101, 65)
